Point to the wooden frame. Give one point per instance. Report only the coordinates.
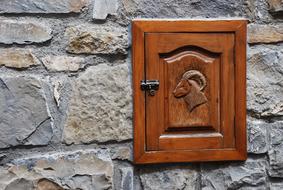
(142, 26)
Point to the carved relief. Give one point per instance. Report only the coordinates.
(190, 88)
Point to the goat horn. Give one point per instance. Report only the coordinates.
(196, 76)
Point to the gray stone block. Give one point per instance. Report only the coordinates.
(100, 108)
(102, 8)
(275, 6)
(24, 116)
(249, 175)
(264, 82)
(258, 33)
(93, 39)
(18, 58)
(122, 153)
(275, 153)
(258, 136)
(184, 8)
(169, 178)
(276, 186)
(42, 6)
(63, 63)
(127, 181)
(87, 170)
(23, 32)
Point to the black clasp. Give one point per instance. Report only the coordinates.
(150, 85)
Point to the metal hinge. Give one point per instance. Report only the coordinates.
(150, 85)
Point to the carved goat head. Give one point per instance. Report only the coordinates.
(190, 87)
(182, 88)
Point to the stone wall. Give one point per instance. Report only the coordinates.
(66, 99)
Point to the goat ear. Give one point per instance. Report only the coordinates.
(190, 82)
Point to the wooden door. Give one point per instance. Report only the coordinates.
(193, 113)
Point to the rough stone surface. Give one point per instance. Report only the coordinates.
(264, 83)
(249, 175)
(23, 113)
(57, 91)
(276, 186)
(19, 184)
(100, 108)
(2, 155)
(127, 181)
(130, 6)
(122, 153)
(276, 150)
(102, 8)
(18, 58)
(85, 170)
(45, 184)
(78, 96)
(265, 33)
(63, 63)
(23, 32)
(258, 141)
(42, 6)
(170, 178)
(185, 9)
(275, 6)
(85, 39)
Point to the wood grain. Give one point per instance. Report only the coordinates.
(138, 95)
(165, 130)
(205, 115)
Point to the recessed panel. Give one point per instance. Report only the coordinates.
(192, 89)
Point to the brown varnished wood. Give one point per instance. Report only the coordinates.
(189, 155)
(184, 116)
(227, 92)
(138, 95)
(172, 112)
(161, 25)
(163, 129)
(154, 104)
(175, 142)
(240, 89)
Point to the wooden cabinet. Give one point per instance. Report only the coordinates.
(189, 81)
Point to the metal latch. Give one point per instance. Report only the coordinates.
(150, 85)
